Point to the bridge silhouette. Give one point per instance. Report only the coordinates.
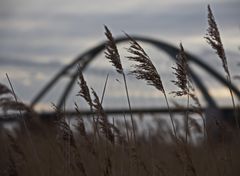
(71, 72)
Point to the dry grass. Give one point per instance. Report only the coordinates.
(214, 39)
(109, 148)
(145, 70)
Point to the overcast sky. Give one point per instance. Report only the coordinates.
(37, 37)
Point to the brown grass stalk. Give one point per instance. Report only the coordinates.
(26, 128)
(113, 56)
(80, 126)
(145, 70)
(184, 156)
(126, 127)
(198, 109)
(213, 38)
(52, 147)
(84, 90)
(103, 122)
(183, 82)
(65, 136)
(104, 89)
(85, 93)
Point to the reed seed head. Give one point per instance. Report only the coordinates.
(181, 73)
(144, 68)
(105, 126)
(214, 40)
(84, 90)
(111, 52)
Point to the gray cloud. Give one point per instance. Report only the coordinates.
(61, 29)
(27, 63)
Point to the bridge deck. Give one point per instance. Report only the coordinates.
(227, 112)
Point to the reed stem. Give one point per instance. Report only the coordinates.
(170, 114)
(129, 105)
(26, 128)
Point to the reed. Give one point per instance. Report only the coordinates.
(213, 38)
(182, 82)
(145, 70)
(113, 56)
(54, 147)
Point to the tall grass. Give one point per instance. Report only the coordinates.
(106, 148)
(213, 38)
(113, 56)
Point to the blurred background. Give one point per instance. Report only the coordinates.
(38, 38)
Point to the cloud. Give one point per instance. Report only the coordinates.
(37, 37)
(27, 63)
(176, 19)
(42, 29)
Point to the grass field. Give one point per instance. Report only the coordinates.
(100, 146)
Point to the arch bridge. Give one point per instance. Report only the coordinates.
(87, 57)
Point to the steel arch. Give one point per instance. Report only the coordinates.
(172, 51)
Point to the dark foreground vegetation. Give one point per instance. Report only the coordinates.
(99, 146)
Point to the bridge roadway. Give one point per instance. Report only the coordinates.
(225, 112)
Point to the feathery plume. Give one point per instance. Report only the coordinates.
(111, 52)
(181, 73)
(182, 81)
(85, 93)
(104, 124)
(84, 90)
(214, 39)
(144, 69)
